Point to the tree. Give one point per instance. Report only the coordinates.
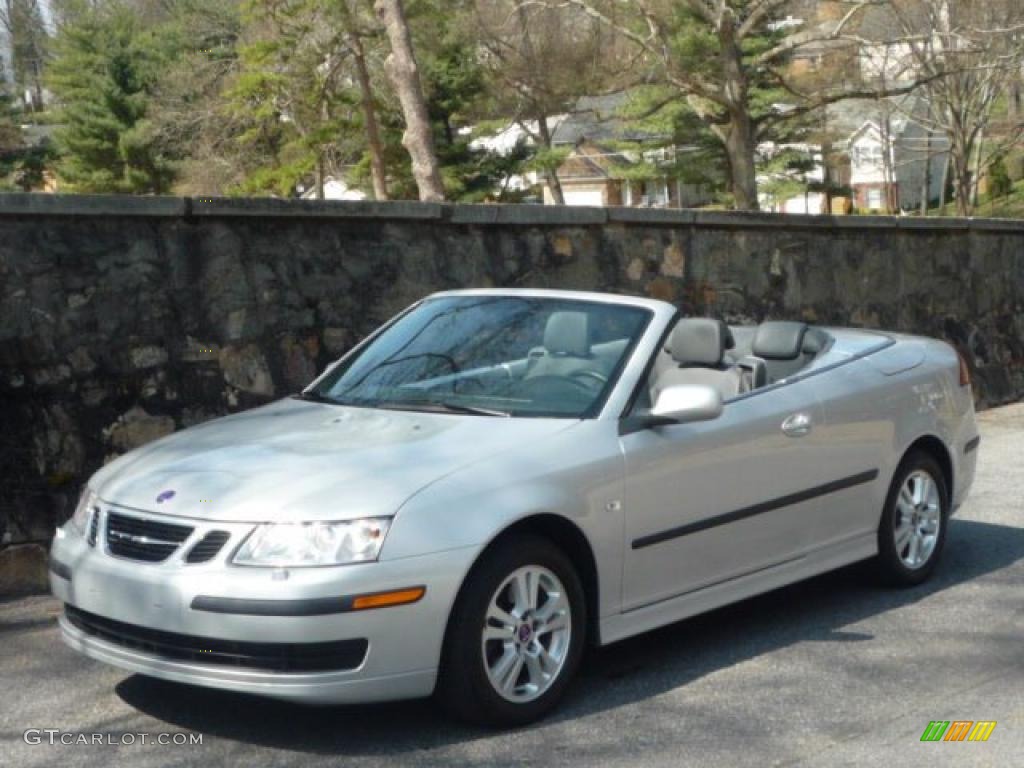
(1000, 183)
(285, 90)
(402, 68)
(540, 61)
(455, 87)
(191, 117)
(968, 52)
(728, 59)
(789, 172)
(22, 20)
(355, 34)
(103, 72)
(305, 92)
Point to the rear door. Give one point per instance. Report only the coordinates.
(712, 501)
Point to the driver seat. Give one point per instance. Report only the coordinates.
(566, 346)
(698, 346)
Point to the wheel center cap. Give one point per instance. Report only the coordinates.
(524, 633)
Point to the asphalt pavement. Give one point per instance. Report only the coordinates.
(833, 671)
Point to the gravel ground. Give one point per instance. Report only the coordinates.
(829, 672)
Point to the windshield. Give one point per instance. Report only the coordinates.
(492, 356)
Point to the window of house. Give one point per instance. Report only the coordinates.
(870, 154)
(874, 198)
(656, 193)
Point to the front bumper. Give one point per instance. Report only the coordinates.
(403, 642)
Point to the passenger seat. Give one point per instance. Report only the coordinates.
(566, 346)
(697, 347)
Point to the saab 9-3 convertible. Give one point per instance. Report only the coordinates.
(495, 479)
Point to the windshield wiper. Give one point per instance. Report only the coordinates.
(439, 407)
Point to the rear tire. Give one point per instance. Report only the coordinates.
(912, 531)
(516, 635)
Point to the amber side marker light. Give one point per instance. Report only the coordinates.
(385, 599)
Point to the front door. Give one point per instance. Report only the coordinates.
(711, 501)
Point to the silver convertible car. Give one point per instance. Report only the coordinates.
(496, 479)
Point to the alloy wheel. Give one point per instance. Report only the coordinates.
(526, 634)
(917, 520)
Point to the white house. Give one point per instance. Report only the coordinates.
(894, 162)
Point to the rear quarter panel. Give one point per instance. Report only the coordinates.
(876, 408)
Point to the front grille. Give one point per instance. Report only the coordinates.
(94, 526)
(276, 657)
(137, 538)
(208, 547)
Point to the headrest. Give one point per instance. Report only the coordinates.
(779, 340)
(700, 341)
(814, 342)
(567, 333)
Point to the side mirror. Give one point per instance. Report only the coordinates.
(686, 403)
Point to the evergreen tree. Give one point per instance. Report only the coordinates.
(288, 95)
(103, 71)
(189, 114)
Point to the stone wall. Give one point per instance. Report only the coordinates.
(122, 319)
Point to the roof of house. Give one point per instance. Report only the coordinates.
(596, 118)
(589, 160)
(846, 117)
(883, 23)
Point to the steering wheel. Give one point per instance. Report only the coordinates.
(469, 385)
(579, 377)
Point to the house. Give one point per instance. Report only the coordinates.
(817, 19)
(884, 57)
(505, 141)
(870, 48)
(598, 170)
(895, 162)
(798, 188)
(590, 175)
(873, 150)
(598, 175)
(334, 189)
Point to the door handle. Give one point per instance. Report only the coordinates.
(798, 425)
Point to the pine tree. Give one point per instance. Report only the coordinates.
(294, 95)
(104, 69)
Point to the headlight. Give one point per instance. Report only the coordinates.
(86, 502)
(298, 544)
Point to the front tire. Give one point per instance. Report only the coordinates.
(912, 531)
(515, 636)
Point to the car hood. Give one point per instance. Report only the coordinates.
(296, 460)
